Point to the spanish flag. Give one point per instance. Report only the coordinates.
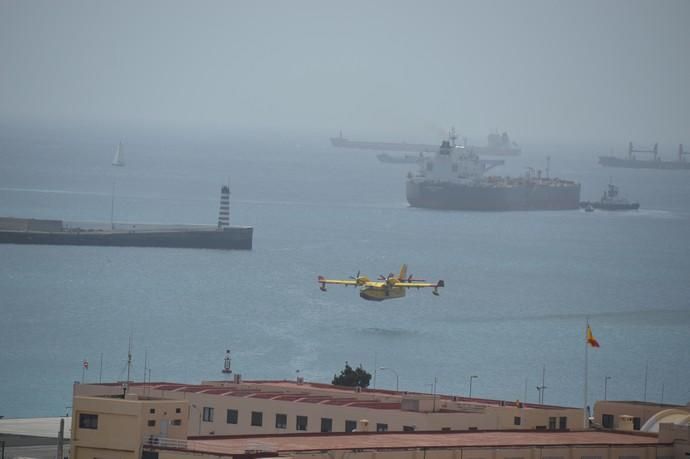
(590, 338)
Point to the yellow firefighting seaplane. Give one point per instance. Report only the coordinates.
(385, 288)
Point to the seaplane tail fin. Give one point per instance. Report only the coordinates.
(403, 272)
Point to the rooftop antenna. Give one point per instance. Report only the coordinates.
(542, 388)
(226, 364)
(129, 365)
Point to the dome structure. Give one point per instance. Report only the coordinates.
(671, 416)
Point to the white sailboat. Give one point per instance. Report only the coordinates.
(119, 159)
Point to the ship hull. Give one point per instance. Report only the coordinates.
(612, 161)
(487, 197)
(229, 238)
(611, 206)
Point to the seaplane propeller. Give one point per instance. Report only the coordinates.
(359, 280)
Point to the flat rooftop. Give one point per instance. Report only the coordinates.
(327, 394)
(416, 440)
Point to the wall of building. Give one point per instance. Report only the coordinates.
(116, 427)
(452, 415)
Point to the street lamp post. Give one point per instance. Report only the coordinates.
(606, 381)
(397, 379)
(471, 378)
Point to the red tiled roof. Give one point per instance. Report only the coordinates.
(338, 398)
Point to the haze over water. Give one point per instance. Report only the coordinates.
(518, 284)
(203, 93)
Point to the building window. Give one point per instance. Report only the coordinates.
(176, 422)
(517, 420)
(408, 428)
(208, 414)
(607, 421)
(152, 410)
(231, 417)
(326, 425)
(152, 423)
(563, 423)
(350, 426)
(445, 429)
(257, 418)
(381, 427)
(281, 421)
(178, 410)
(636, 423)
(301, 423)
(88, 421)
(552, 423)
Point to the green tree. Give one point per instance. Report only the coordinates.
(358, 377)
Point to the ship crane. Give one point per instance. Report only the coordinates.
(654, 151)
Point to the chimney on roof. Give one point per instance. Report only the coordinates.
(362, 425)
(625, 422)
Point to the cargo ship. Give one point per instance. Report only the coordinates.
(454, 180)
(497, 145)
(56, 232)
(654, 163)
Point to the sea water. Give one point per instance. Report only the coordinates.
(519, 285)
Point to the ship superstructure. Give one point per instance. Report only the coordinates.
(454, 179)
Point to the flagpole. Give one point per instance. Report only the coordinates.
(586, 415)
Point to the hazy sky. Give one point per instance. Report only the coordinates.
(588, 70)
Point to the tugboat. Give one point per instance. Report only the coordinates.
(610, 200)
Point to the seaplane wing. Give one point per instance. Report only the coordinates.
(420, 284)
(323, 280)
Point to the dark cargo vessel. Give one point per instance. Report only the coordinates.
(655, 162)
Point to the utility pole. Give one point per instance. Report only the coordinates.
(646, 369)
(60, 440)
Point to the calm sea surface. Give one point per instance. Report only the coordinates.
(519, 285)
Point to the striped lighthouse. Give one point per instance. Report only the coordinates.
(224, 212)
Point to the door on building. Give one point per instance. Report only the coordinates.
(164, 428)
